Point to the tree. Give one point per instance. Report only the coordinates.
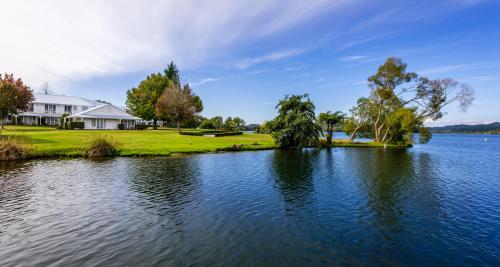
(400, 102)
(359, 119)
(328, 121)
(142, 100)
(15, 96)
(295, 125)
(228, 123)
(218, 122)
(239, 123)
(177, 104)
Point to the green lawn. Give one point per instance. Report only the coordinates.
(53, 142)
(50, 142)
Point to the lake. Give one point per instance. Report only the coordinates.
(436, 204)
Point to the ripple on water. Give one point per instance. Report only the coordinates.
(434, 204)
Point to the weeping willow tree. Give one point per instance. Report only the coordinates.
(295, 125)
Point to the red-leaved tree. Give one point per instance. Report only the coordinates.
(15, 96)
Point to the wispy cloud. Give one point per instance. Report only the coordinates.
(204, 81)
(274, 56)
(458, 68)
(353, 58)
(63, 41)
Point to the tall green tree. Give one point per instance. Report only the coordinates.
(142, 100)
(328, 121)
(177, 104)
(239, 123)
(295, 125)
(15, 96)
(400, 102)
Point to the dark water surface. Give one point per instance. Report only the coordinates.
(437, 204)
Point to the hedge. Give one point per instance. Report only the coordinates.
(141, 126)
(75, 125)
(227, 134)
(121, 126)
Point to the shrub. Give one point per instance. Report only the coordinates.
(141, 126)
(192, 133)
(227, 134)
(121, 126)
(101, 146)
(75, 125)
(10, 149)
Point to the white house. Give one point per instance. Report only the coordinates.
(48, 109)
(105, 116)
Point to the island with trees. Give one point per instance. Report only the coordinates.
(399, 103)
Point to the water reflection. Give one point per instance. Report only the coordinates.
(167, 185)
(293, 172)
(15, 193)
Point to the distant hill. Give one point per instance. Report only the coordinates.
(251, 127)
(462, 128)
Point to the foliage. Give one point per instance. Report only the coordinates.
(265, 128)
(11, 149)
(400, 102)
(295, 125)
(61, 119)
(75, 125)
(218, 122)
(101, 146)
(142, 100)
(141, 126)
(177, 104)
(121, 126)
(235, 123)
(15, 96)
(328, 121)
(207, 124)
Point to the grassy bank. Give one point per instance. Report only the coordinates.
(50, 142)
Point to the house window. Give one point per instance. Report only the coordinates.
(67, 109)
(31, 107)
(85, 108)
(75, 108)
(99, 123)
(51, 109)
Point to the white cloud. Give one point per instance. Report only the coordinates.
(204, 81)
(274, 56)
(62, 41)
(353, 58)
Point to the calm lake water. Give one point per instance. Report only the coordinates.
(437, 204)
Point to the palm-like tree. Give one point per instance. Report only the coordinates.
(328, 120)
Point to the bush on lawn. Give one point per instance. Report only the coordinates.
(121, 126)
(101, 146)
(12, 149)
(141, 126)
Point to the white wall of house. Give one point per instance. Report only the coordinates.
(106, 124)
(59, 109)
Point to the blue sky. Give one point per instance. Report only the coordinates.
(241, 57)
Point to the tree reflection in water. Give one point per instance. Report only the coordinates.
(165, 186)
(293, 172)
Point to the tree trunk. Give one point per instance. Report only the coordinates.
(1, 120)
(155, 124)
(178, 126)
(329, 136)
(353, 135)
